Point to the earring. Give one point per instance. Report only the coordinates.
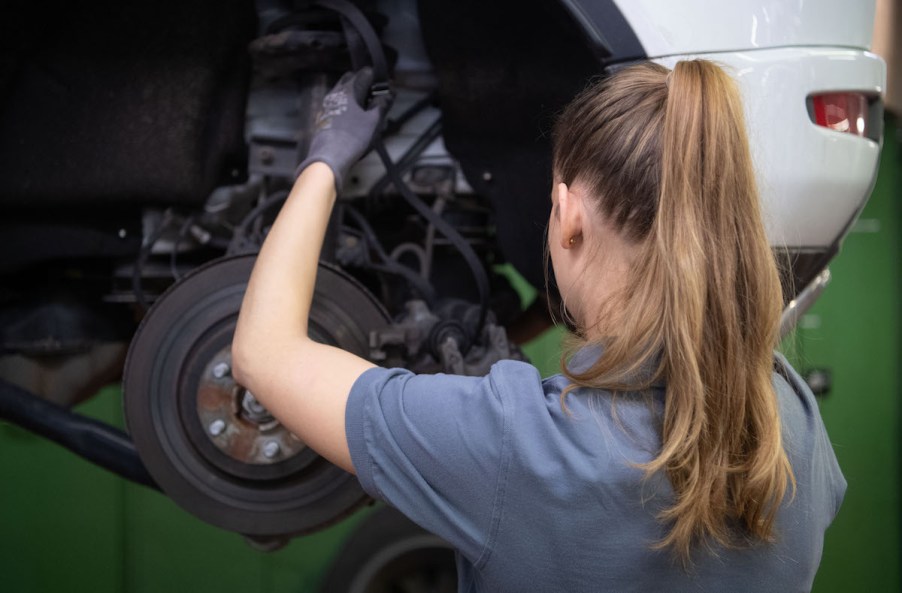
(572, 240)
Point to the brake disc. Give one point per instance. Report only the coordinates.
(205, 439)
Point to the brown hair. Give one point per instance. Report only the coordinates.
(665, 155)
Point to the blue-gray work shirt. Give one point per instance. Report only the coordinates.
(538, 499)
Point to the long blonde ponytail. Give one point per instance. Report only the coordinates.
(667, 156)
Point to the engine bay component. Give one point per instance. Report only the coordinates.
(440, 341)
(205, 439)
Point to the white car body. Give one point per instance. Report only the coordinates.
(813, 180)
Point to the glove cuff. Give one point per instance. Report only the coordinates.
(320, 159)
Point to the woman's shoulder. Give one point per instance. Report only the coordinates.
(795, 397)
(805, 439)
(522, 384)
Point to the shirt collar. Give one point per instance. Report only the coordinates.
(585, 357)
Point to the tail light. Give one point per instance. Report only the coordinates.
(849, 112)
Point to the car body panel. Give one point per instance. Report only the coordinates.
(812, 180)
(666, 28)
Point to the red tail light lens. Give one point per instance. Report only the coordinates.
(843, 112)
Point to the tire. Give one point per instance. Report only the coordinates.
(388, 553)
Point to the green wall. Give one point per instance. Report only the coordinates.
(855, 331)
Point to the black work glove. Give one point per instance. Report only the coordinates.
(344, 127)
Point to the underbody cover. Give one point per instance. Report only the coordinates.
(126, 103)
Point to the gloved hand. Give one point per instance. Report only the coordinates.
(344, 127)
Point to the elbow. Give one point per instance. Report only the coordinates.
(243, 361)
(256, 359)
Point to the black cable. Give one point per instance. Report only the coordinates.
(395, 124)
(358, 20)
(356, 47)
(367, 230)
(409, 157)
(428, 136)
(389, 265)
(466, 251)
(240, 231)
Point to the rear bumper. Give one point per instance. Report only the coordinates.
(813, 181)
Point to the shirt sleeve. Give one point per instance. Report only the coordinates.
(434, 447)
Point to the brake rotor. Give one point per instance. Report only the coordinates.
(205, 439)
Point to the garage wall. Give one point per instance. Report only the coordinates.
(855, 332)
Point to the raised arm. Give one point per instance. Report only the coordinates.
(302, 383)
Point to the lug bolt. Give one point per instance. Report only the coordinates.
(251, 405)
(216, 427)
(271, 449)
(221, 370)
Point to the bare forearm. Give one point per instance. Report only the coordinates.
(277, 303)
(303, 384)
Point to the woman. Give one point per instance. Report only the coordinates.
(675, 452)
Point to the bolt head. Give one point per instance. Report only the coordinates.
(216, 427)
(271, 449)
(221, 370)
(251, 405)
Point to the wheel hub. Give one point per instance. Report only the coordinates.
(236, 423)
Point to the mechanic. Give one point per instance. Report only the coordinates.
(675, 451)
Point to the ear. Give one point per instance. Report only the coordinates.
(570, 213)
